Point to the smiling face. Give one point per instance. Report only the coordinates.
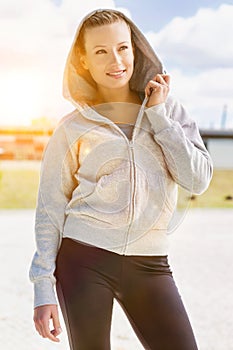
(109, 55)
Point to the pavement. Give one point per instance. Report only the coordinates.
(201, 259)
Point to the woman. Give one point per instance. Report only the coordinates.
(108, 192)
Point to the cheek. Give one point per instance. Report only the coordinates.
(130, 62)
(96, 71)
(130, 59)
(97, 64)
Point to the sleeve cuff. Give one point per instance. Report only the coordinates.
(157, 117)
(44, 293)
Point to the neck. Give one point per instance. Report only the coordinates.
(118, 95)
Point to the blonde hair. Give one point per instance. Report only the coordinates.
(98, 18)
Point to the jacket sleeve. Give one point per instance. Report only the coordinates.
(57, 182)
(187, 159)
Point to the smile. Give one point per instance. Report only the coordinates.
(117, 74)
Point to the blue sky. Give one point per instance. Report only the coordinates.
(192, 38)
(153, 15)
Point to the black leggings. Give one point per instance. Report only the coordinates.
(89, 278)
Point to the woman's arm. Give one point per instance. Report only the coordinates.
(57, 182)
(186, 157)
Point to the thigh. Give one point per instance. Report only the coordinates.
(154, 307)
(86, 300)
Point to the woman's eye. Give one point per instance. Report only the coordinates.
(124, 47)
(100, 52)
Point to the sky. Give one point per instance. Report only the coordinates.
(193, 40)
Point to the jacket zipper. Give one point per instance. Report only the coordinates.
(132, 167)
(133, 171)
(133, 190)
(130, 144)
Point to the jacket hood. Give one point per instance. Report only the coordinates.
(78, 89)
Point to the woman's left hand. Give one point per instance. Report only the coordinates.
(157, 89)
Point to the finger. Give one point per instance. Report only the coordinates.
(37, 324)
(46, 333)
(56, 323)
(167, 78)
(151, 87)
(163, 79)
(159, 79)
(42, 326)
(38, 329)
(56, 331)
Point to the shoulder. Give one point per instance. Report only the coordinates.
(171, 102)
(69, 118)
(66, 125)
(176, 110)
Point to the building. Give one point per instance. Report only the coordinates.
(29, 144)
(23, 143)
(219, 143)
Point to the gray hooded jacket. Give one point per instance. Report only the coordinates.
(103, 188)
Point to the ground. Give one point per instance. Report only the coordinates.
(201, 259)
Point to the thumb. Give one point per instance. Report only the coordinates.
(56, 323)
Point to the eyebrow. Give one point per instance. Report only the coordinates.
(123, 42)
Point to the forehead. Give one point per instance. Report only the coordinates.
(107, 34)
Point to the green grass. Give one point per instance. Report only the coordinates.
(220, 187)
(19, 186)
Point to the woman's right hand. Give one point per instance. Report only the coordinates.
(157, 89)
(42, 315)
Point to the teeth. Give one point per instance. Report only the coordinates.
(116, 73)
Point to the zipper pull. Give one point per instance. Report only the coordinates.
(131, 143)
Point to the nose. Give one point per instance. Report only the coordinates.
(115, 57)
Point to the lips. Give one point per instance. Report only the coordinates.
(117, 74)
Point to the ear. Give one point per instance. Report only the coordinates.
(83, 62)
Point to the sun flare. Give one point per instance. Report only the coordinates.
(20, 98)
